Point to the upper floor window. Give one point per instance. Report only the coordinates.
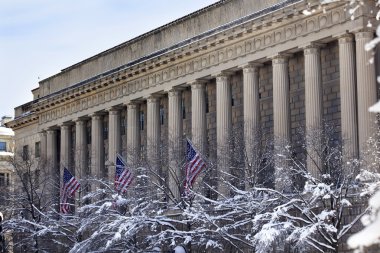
(105, 129)
(141, 120)
(37, 149)
(3, 146)
(206, 98)
(122, 125)
(162, 115)
(183, 108)
(4, 179)
(25, 152)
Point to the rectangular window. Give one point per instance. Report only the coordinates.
(206, 98)
(105, 130)
(37, 149)
(122, 125)
(141, 120)
(162, 115)
(88, 133)
(183, 108)
(25, 152)
(2, 179)
(3, 146)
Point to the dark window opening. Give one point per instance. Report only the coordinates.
(37, 149)
(25, 153)
(141, 120)
(3, 146)
(162, 115)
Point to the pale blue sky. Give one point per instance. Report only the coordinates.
(38, 38)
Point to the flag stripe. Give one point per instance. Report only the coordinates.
(69, 186)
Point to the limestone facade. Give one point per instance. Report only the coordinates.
(262, 66)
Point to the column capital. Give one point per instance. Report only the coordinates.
(132, 105)
(96, 115)
(198, 84)
(223, 74)
(251, 67)
(312, 48)
(65, 126)
(113, 111)
(364, 34)
(174, 92)
(280, 58)
(346, 38)
(153, 99)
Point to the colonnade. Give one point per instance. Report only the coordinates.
(357, 93)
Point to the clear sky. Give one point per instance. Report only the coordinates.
(38, 38)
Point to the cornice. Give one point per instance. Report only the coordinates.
(247, 38)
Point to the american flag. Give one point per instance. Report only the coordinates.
(194, 165)
(123, 176)
(69, 187)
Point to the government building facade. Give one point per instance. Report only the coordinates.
(257, 66)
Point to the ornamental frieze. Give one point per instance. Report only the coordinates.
(254, 41)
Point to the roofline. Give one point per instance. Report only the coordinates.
(123, 44)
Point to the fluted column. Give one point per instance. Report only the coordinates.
(251, 119)
(366, 87)
(114, 138)
(52, 152)
(281, 122)
(81, 160)
(43, 147)
(175, 141)
(223, 130)
(97, 146)
(66, 147)
(153, 134)
(133, 134)
(313, 108)
(52, 165)
(198, 115)
(348, 102)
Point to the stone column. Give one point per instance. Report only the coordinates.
(281, 122)
(251, 120)
(153, 135)
(52, 153)
(366, 87)
(81, 159)
(348, 97)
(114, 139)
(175, 141)
(133, 134)
(52, 165)
(198, 115)
(66, 147)
(97, 146)
(223, 131)
(313, 109)
(43, 147)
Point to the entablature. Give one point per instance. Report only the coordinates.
(233, 42)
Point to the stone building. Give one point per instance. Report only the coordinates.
(6, 168)
(269, 66)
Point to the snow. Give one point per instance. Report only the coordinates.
(375, 107)
(179, 249)
(6, 131)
